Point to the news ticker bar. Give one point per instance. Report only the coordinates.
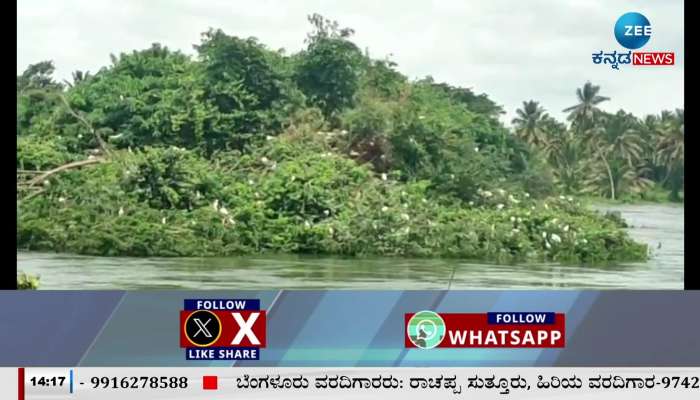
(349, 383)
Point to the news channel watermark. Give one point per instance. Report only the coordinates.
(633, 31)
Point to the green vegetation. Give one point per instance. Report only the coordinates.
(27, 282)
(615, 156)
(327, 151)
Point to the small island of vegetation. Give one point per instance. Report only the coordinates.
(327, 151)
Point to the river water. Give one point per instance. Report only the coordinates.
(658, 225)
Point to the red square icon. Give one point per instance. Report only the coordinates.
(210, 382)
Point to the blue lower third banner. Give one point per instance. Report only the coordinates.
(350, 328)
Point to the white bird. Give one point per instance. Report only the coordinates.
(215, 205)
(121, 211)
(121, 97)
(326, 212)
(163, 221)
(556, 238)
(385, 209)
(223, 210)
(61, 199)
(499, 206)
(384, 177)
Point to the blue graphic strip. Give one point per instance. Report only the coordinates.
(346, 328)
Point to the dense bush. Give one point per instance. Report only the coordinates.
(327, 151)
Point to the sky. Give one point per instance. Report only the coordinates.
(511, 50)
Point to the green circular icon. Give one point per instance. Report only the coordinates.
(426, 329)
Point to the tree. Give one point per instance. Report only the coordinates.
(671, 149)
(615, 177)
(528, 123)
(616, 144)
(329, 70)
(583, 114)
(35, 94)
(565, 153)
(37, 76)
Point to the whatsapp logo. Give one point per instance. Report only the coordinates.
(426, 329)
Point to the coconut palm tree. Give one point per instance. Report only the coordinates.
(621, 132)
(565, 153)
(528, 123)
(78, 77)
(583, 114)
(615, 177)
(671, 150)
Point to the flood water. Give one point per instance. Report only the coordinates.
(658, 225)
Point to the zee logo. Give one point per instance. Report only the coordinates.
(632, 30)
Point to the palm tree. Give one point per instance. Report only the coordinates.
(564, 152)
(671, 150)
(622, 134)
(528, 123)
(614, 177)
(78, 77)
(584, 113)
(615, 139)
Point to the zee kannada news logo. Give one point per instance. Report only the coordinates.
(222, 329)
(428, 330)
(633, 31)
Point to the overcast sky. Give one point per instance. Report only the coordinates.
(512, 50)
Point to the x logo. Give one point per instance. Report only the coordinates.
(245, 328)
(202, 327)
